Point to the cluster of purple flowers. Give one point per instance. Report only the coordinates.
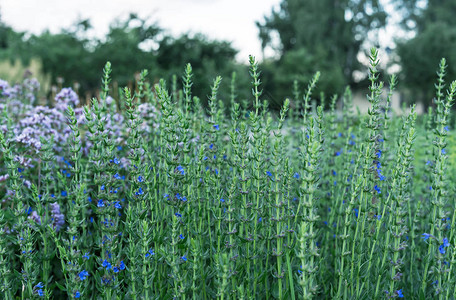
(58, 218)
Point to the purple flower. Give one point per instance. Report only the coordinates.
(65, 98)
(35, 217)
(57, 217)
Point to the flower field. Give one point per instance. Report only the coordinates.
(153, 196)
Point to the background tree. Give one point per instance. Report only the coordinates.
(324, 35)
(209, 58)
(434, 26)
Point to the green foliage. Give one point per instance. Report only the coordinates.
(435, 37)
(318, 35)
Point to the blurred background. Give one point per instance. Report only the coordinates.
(67, 43)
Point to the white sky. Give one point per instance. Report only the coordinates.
(231, 20)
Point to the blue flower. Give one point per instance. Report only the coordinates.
(446, 128)
(269, 173)
(181, 236)
(39, 285)
(77, 294)
(106, 264)
(446, 243)
(86, 255)
(115, 160)
(425, 236)
(216, 127)
(140, 178)
(211, 146)
(296, 175)
(119, 148)
(442, 249)
(260, 219)
(222, 200)
(139, 192)
(181, 170)
(184, 258)
(338, 153)
(83, 275)
(122, 265)
(117, 205)
(64, 193)
(100, 203)
(443, 151)
(150, 253)
(399, 293)
(377, 189)
(115, 270)
(178, 215)
(117, 176)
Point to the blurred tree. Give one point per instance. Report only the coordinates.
(75, 58)
(434, 26)
(127, 47)
(11, 42)
(324, 35)
(208, 59)
(63, 55)
(132, 45)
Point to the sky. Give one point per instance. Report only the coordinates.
(230, 20)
